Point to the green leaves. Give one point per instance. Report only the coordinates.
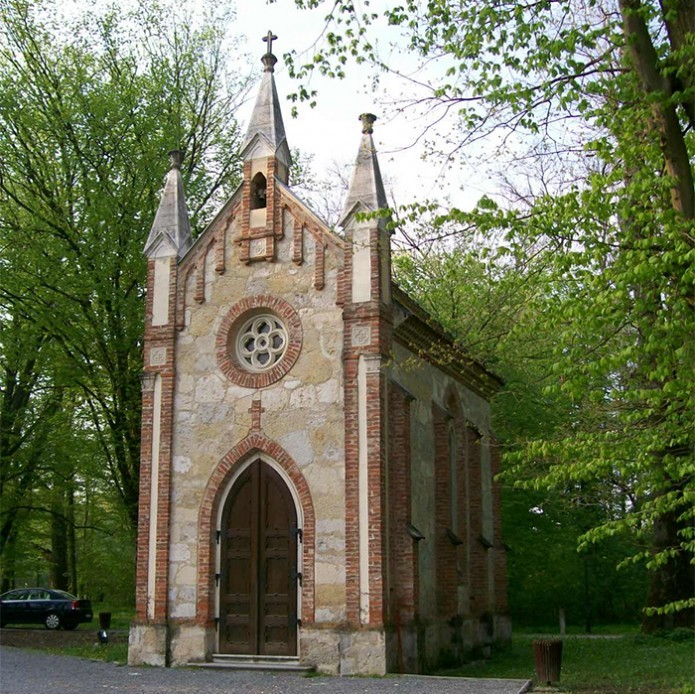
(88, 110)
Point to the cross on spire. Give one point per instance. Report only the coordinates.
(269, 38)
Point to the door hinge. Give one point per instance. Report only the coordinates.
(298, 577)
(218, 535)
(298, 533)
(217, 580)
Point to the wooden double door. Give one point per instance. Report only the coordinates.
(258, 581)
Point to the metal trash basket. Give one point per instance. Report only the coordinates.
(548, 659)
(104, 620)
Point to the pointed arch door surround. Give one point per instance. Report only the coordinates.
(258, 565)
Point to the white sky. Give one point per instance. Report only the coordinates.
(331, 130)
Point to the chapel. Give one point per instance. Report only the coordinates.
(317, 483)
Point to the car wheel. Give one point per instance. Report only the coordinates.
(52, 621)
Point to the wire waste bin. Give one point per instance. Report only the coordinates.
(548, 658)
(104, 624)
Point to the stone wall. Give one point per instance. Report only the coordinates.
(302, 412)
(459, 581)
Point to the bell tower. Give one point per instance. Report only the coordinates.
(267, 162)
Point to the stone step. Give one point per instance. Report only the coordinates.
(225, 661)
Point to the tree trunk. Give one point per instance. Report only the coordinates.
(59, 543)
(665, 119)
(71, 539)
(672, 581)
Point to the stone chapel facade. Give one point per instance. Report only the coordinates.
(317, 483)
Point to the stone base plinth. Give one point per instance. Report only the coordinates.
(340, 650)
(147, 644)
(191, 643)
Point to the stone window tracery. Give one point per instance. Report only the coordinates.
(261, 342)
(258, 341)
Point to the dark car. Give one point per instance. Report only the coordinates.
(53, 608)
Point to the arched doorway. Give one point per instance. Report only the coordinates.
(258, 577)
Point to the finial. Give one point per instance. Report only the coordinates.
(367, 123)
(269, 59)
(269, 38)
(175, 158)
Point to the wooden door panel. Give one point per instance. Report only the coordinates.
(259, 566)
(238, 594)
(279, 552)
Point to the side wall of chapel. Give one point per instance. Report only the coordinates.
(447, 590)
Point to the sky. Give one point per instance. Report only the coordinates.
(331, 130)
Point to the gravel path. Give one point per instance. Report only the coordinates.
(33, 672)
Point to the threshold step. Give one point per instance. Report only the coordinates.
(278, 663)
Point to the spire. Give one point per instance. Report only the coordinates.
(171, 230)
(367, 187)
(266, 129)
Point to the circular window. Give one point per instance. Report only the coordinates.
(259, 341)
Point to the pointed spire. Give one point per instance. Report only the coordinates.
(171, 230)
(266, 123)
(366, 188)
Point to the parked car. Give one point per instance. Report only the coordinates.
(53, 608)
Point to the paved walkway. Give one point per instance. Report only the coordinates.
(33, 672)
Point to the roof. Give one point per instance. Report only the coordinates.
(266, 124)
(366, 192)
(415, 329)
(171, 230)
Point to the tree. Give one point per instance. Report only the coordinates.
(89, 107)
(608, 91)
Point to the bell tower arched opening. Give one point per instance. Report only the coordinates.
(258, 192)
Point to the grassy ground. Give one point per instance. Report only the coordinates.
(110, 652)
(117, 650)
(613, 660)
(607, 663)
(83, 641)
(121, 617)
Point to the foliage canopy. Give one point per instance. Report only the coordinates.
(89, 106)
(595, 104)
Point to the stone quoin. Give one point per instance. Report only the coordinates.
(318, 468)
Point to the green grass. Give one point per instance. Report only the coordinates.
(625, 663)
(110, 652)
(121, 617)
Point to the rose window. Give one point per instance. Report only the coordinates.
(261, 342)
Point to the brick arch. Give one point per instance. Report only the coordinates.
(227, 360)
(212, 498)
(452, 402)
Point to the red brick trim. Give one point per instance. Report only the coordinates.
(320, 267)
(162, 336)
(297, 241)
(445, 553)
(238, 314)
(478, 567)
(500, 552)
(403, 589)
(207, 521)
